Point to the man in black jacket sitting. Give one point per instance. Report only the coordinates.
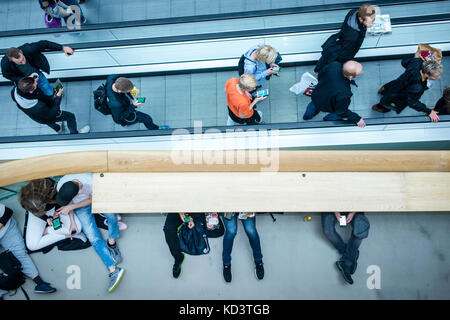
(123, 106)
(28, 61)
(407, 89)
(41, 108)
(344, 45)
(333, 94)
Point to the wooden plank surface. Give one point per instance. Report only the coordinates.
(277, 160)
(271, 192)
(52, 165)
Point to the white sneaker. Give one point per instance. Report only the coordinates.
(85, 129)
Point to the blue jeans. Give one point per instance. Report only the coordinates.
(360, 230)
(311, 111)
(44, 85)
(12, 240)
(93, 234)
(230, 232)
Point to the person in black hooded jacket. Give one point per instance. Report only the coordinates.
(42, 108)
(28, 61)
(333, 94)
(344, 45)
(409, 87)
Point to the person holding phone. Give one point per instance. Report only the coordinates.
(28, 60)
(41, 109)
(123, 105)
(241, 104)
(350, 250)
(42, 230)
(260, 61)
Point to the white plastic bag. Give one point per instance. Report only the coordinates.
(306, 85)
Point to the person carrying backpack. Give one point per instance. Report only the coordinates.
(11, 240)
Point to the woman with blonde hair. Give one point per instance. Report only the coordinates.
(259, 62)
(240, 102)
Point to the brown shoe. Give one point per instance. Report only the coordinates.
(379, 108)
(380, 91)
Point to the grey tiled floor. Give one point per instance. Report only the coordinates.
(179, 100)
(25, 14)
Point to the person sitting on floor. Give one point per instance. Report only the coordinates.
(443, 104)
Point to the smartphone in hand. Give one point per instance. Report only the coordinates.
(262, 93)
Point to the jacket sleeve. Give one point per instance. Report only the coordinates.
(251, 68)
(6, 216)
(44, 46)
(415, 103)
(7, 71)
(343, 111)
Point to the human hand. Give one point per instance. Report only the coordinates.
(64, 210)
(68, 51)
(258, 99)
(361, 123)
(60, 92)
(73, 227)
(136, 103)
(270, 71)
(350, 217)
(50, 221)
(191, 223)
(433, 116)
(337, 215)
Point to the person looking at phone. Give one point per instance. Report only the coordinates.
(74, 194)
(41, 109)
(28, 61)
(123, 105)
(42, 230)
(241, 103)
(333, 93)
(259, 62)
(349, 251)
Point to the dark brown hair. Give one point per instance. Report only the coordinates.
(13, 53)
(26, 84)
(35, 196)
(123, 84)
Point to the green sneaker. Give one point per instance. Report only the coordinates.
(114, 278)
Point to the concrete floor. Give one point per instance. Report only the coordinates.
(411, 251)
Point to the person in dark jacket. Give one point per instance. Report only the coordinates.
(28, 61)
(41, 108)
(123, 105)
(344, 45)
(349, 251)
(333, 94)
(407, 89)
(443, 104)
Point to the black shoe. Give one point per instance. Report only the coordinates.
(355, 264)
(345, 274)
(176, 270)
(227, 272)
(259, 270)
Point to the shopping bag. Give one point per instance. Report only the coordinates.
(306, 85)
(427, 52)
(52, 22)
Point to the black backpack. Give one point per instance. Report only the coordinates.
(101, 100)
(12, 277)
(193, 241)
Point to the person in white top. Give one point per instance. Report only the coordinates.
(74, 194)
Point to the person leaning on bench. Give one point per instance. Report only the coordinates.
(41, 108)
(123, 106)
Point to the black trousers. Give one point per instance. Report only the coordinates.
(49, 116)
(171, 225)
